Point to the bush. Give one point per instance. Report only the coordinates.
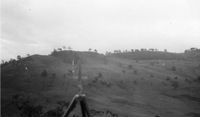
(198, 79)
(152, 63)
(130, 67)
(173, 68)
(135, 72)
(175, 84)
(28, 109)
(100, 75)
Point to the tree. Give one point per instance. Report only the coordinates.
(165, 50)
(64, 47)
(192, 49)
(19, 57)
(115, 51)
(59, 49)
(69, 48)
(95, 50)
(28, 55)
(151, 49)
(142, 49)
(89, 49)
(2, 62)
(11, 60)
(54, 51)
(132, 50)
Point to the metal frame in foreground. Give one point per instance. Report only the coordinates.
(84, 107)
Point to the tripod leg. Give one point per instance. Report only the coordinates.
(71, 107)
(82, 109)
(85, 106)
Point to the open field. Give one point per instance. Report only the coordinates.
(126, 87)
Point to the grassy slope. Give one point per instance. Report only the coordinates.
(142, 94)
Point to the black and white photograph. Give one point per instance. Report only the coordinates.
(100, 58)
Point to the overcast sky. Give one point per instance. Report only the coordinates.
(39, 26)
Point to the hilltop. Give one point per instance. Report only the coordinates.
(139, 84)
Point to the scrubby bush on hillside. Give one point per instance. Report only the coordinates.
(173, 68)
(95, 50)
(135, 72)
(130, 67)
(19, 57)
(168, 78)
(28, 55)
(70, 73)
(100, 75)
(44, 73)
(188, 81)
(175, 84)
(152, 63)
(28, 109)
(198, 79)
(54, 52)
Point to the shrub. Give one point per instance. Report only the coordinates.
(130, 67)
(135, 72)
(198, 79)
(100, 75)
(44, 73)
(27, 108)
(173, 68)
(70, 72)
(175, 84)
(152, 63)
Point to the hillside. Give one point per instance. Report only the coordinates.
(136, 84)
